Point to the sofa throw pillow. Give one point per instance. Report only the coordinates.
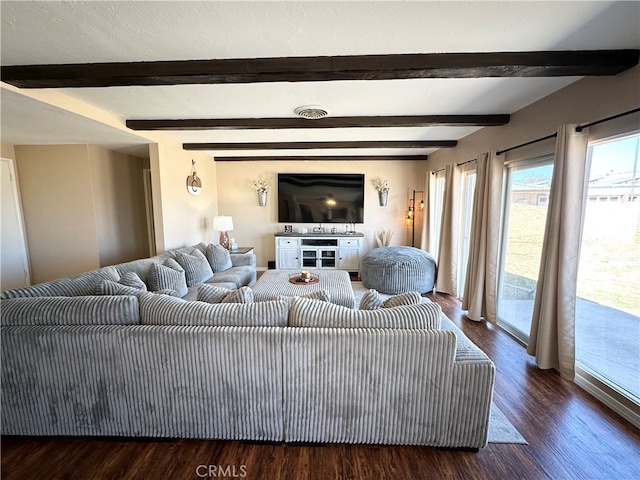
(371, 300)
(109, 287)
(212, 293)
(322, 295)
(196, 267)
(242, 295)
(219, 258)
(131, 279)
(87, 310)
(202, 247)
(165, 310)
(408, 298)
(168, 275)
(167, 291)
(311, 313)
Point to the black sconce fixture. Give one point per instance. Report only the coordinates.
(412, 212)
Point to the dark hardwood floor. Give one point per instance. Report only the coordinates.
(570, 435)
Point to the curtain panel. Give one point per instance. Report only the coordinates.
(480, 289)
(425, 237)
(447, 279)
(552, 335)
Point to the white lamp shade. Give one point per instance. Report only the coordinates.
(223, 223)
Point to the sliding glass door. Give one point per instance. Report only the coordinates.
(467, 190)
(525, 207)
(608, 298)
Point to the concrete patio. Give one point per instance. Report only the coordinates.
(607, 339)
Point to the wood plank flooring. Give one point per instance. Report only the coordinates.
(570, 435)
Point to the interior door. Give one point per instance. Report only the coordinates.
(14, 266)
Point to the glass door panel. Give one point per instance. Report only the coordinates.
(328, 258)
(608, 298)
(468, 182)
(526, 201)
(309, 259)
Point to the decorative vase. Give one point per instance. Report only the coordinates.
(383, 196)
(262, 199)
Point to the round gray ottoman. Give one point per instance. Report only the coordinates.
(398, 269)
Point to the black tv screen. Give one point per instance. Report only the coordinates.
(320, 198)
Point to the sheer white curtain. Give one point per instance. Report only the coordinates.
(552, 336)
(447, 280)
(480, 288)
(425, 237)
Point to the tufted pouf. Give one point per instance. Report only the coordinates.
(398, 269)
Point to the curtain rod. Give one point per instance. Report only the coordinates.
(582, 127)
(500, 152)
(579, 128)
(457, 165)
(468, 161)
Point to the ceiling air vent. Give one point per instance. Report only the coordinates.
(311, 112)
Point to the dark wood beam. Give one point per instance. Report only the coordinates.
(327, 122)
(320, 69)
(346, 158)
(316, 145)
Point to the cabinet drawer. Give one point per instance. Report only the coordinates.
(288, 242)
(349, 242)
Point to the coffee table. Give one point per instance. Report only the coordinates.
(276, 282)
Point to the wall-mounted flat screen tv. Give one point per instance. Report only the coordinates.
(320, 198)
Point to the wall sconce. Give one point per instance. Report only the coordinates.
(223, 224)
(261, 187)
(411, 213)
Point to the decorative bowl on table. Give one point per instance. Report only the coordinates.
(304, 277)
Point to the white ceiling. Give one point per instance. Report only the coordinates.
(90, 32)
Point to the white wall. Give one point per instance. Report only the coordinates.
(180, 218)
(585, 101)
(58, 209)
(255, 225)
(118, 196)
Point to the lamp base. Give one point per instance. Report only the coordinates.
(224, 240)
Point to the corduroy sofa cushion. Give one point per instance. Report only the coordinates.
(78, 285)
(323, 295)
(219, 258)
(212, 293)
(131, 279)
(407, 298)
(314, 313)
(166, 310)
(168, 275)
(109, 287)
(87, 310)
(196, 267)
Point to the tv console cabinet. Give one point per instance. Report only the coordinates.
(319, 251)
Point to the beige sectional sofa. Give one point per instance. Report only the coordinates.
(303, 370)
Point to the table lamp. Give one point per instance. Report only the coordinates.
(223, 224)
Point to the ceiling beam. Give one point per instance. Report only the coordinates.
(320, 145)
(319, 69)
(347, 158)
(327, 122)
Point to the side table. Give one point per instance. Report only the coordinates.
(241, 250)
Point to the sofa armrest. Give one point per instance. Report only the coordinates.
(240, 259)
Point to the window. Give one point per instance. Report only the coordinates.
(435, 215)
(467, 190)
(522, 236)
(608, 302)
